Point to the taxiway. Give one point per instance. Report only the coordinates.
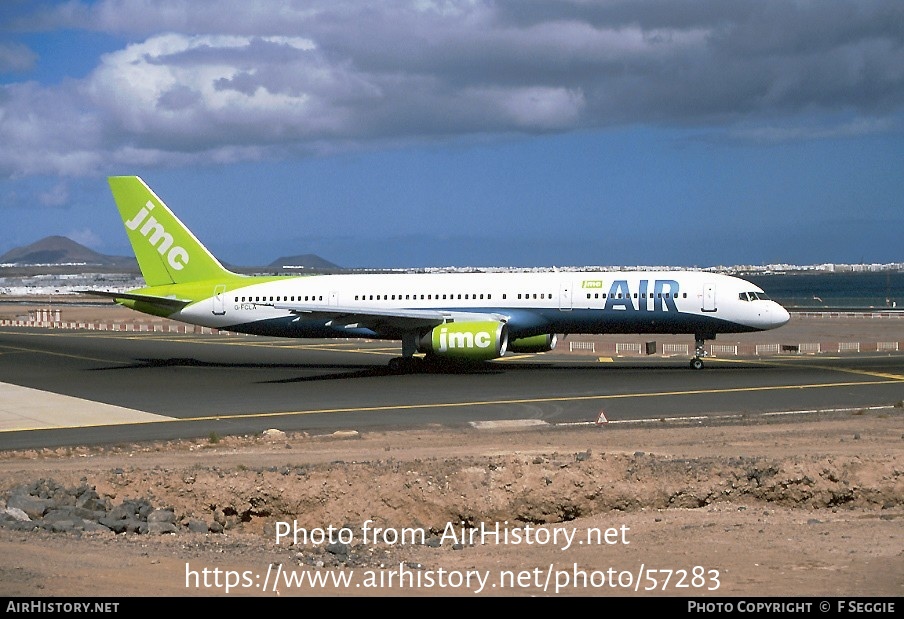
(80, 387)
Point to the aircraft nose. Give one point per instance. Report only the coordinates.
(780, 315)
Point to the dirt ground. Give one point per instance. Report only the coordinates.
(787, 507)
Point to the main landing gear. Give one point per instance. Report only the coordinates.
(407, 365)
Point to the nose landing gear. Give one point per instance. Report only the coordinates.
(699, 353)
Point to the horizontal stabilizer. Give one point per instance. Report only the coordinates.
(169, 302)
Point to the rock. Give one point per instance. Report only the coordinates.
(197, 526)
(34, 507)
(162, 516)
(160, 528)
(16, 514)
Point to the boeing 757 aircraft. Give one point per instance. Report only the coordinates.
(442, 316)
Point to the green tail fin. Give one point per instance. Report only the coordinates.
(167, 251)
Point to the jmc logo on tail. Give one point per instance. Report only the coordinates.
(158, 237)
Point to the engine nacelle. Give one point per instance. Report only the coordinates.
(472, 341)
(537, 343)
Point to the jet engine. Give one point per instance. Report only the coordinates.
(537, 343)
(471, 341)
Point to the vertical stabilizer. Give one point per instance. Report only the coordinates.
(167, 251)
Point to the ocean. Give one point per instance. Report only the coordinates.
(878, 290)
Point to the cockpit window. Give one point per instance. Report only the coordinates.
(753, 296)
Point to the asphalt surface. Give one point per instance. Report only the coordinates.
(103, 387)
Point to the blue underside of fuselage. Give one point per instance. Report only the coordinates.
(523, 323)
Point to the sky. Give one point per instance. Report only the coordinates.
(409, 133)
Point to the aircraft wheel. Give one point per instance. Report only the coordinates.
(696, 363)
(405, 365)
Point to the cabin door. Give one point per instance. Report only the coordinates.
(565, 297)
(709, 298)
(219, 300)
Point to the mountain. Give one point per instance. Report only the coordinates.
(305, 261)
(60, 250)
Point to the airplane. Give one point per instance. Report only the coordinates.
(438, 317)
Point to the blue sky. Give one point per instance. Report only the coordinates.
(469, 133)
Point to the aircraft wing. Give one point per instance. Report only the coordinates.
(168, 302)
(379, 318)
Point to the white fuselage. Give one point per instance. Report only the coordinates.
(531, 303)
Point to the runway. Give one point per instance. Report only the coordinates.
(107, 387)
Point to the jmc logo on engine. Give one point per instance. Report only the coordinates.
(462, 340)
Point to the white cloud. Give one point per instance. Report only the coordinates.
(86, 237)
(15, 57)
(58, 195)
(850, 128)
(230, 80)
(534, 108)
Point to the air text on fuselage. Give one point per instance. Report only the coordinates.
(660, 299)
